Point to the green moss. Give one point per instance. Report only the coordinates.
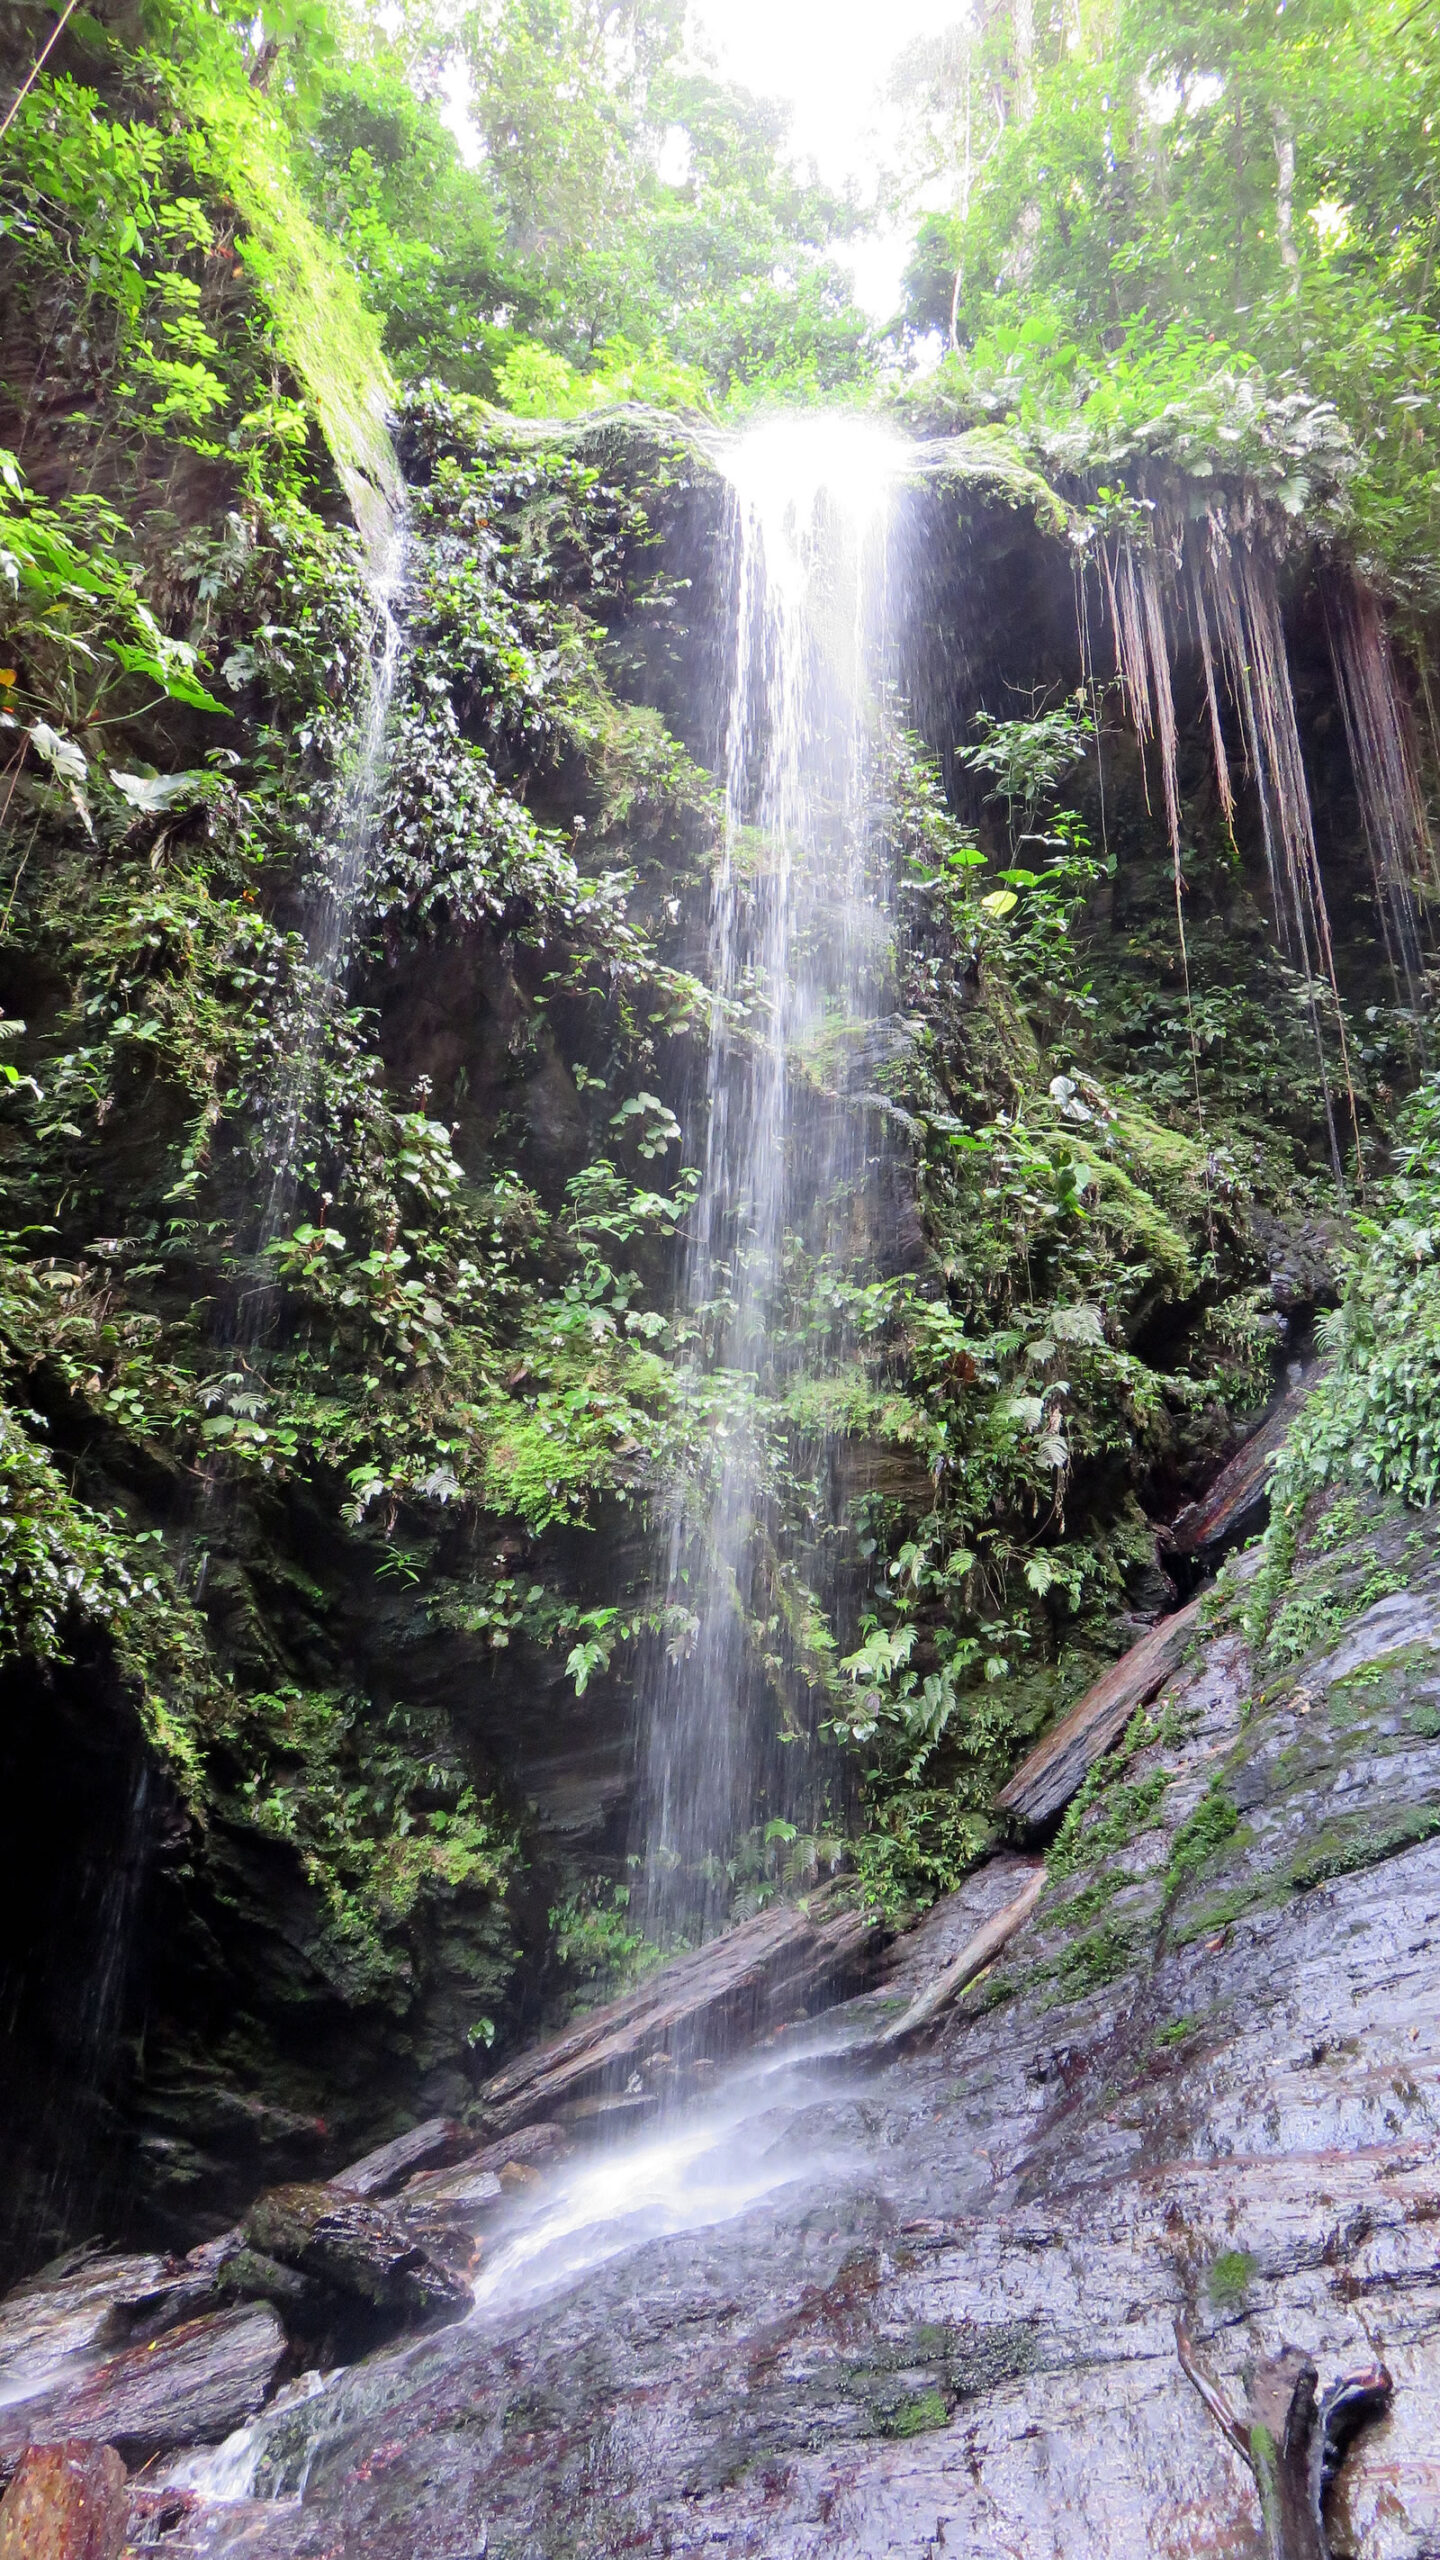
(1179, 2031)
(322, 328)
(1083, 1907)
(994, 462)
(1218, 1914)
(917, 2417)
(1142, 1227)
(1097, 1958)
(1116, 1813)
(1343, 1848)
(1211, 1828)
(1321, 1606)
(1228, 2279)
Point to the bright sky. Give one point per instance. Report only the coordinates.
(829, 60)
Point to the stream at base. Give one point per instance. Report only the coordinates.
(779, 2127)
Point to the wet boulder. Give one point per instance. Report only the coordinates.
(358, 2249)
(66, 2502)
(246, 2276)
(189, 2385)
(78, 2306)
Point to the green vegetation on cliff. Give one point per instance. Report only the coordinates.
(345, 1394)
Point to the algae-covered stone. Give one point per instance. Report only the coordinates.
(356, 2247)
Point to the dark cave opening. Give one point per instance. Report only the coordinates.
(78, 1801)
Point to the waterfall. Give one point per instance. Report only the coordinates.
(799, 961)
(341, 869)
(343, 864)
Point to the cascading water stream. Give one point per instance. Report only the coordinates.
(341, 871)
(342, 865)
(787, 1142)
(751, 2140)
(799, 960)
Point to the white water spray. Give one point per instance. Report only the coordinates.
(752, 2141)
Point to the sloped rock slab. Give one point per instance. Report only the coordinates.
(948, 1926)
(76, 2308)
(703, 2004)
(191, 2385)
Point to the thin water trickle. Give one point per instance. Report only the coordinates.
(341, 872)
(799, 961)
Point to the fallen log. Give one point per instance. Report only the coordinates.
(691, 2010)
(462, 2191)
(535, 2146)
(1292, 2444)
(1237, 1500)
(436, 2144)
(66, 2502)
(980, 1951)
(1044, 1784)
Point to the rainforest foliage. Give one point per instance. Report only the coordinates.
(344, 1382)
(1149, 219)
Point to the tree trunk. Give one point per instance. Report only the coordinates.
(1284, 134)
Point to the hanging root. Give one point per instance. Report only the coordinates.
(1233, 604)
(1143, 657)
(1293, 2446)
(1379, 735)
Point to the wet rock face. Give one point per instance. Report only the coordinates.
(69, 1737)
(1203, 2084)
